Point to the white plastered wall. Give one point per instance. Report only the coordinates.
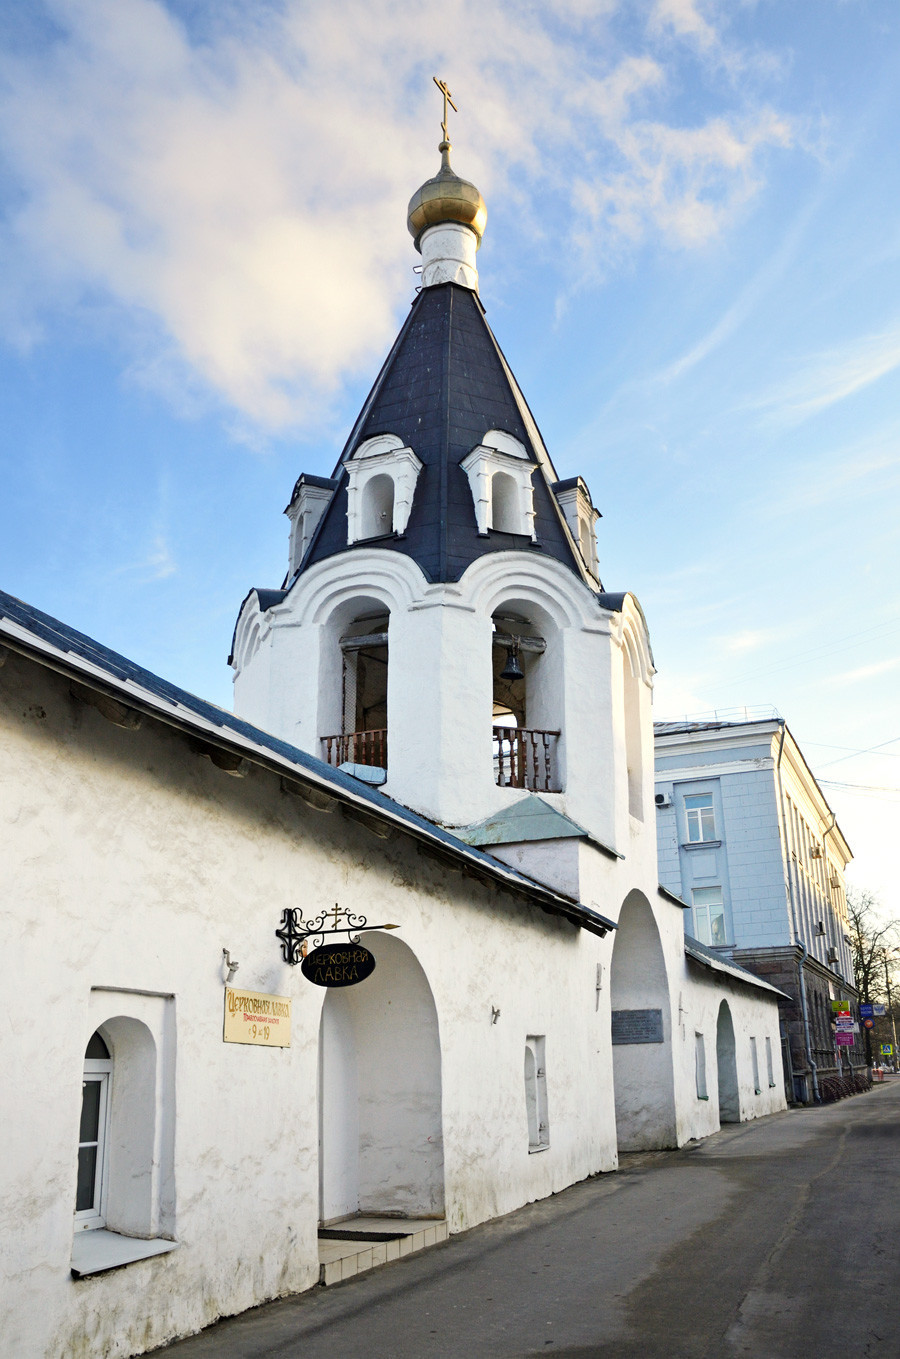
(147, 860)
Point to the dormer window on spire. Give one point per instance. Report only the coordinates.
(574, 499)
(382, 476)
(499, 472)
(309, 501)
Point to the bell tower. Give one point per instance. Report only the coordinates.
(442, 631)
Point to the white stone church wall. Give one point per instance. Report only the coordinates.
(129, 863)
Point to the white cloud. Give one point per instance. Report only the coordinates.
(833, 375)
(865, 672)
(156, 564)
(684, 19)
(750, 639)
(241, 197)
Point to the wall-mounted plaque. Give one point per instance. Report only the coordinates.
(264, 1021)
(637, 1026)
(338, 965)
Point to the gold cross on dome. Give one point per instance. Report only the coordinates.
(448, 99)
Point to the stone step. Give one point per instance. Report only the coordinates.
(344, 1258)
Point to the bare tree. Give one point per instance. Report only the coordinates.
(872, 939)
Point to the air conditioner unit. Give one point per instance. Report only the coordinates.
(820, 927)
(834, 881)
(815, 852)
(832, 955)
(663, 799)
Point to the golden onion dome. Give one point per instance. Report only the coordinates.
(446, 198)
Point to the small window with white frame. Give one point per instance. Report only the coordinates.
(709, 916)
(754, 1061)
(701, 817)
(770, 1070)
(90, 1192)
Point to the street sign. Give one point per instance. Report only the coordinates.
(866, 1011)
(887, 1049)
(868, 1023)
(841, 1007)
(878, 1010)
(844, 1039)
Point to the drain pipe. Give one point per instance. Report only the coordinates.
(809, 1057)
(793, 908)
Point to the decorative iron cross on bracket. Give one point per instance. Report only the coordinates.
(295, 931)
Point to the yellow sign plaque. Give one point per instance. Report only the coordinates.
(264, 1021)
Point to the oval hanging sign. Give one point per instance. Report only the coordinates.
(338, 965)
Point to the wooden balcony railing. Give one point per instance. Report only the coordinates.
(524, 758)
(357, 747)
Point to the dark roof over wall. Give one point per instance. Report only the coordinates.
(443, 386)
(94, 666)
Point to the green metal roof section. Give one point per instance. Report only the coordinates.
(530, 819)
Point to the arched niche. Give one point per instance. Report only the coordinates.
(633, 727)
(131, 1135)
(380, 1126)
(506, 516)
(643, 1070)
(726, 1067)
(527, 712)
(377, 507)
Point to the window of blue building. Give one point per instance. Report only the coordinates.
(701, 819)
(709, 916)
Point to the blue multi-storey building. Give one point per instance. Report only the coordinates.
(748, 840)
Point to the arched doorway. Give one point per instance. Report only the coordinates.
(380, 1130)
(726, 1063)
(641, 1032)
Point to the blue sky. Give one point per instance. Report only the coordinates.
(692, 260)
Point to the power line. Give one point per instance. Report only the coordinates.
(869, 751)
(829, 745)
(862, 789)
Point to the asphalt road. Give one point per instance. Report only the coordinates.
(776, 1239)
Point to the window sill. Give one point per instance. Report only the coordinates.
(757, 1092)
(544, 1146)
(95, 1251)
(702, 844)
(706, 1097)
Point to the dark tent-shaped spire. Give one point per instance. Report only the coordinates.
(444, 385)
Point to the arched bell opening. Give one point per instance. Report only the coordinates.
(526, 698)
(356, 685)
(643, 1071)
(380, 1125)
(726, 1066)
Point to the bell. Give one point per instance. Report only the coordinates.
(512, 670)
